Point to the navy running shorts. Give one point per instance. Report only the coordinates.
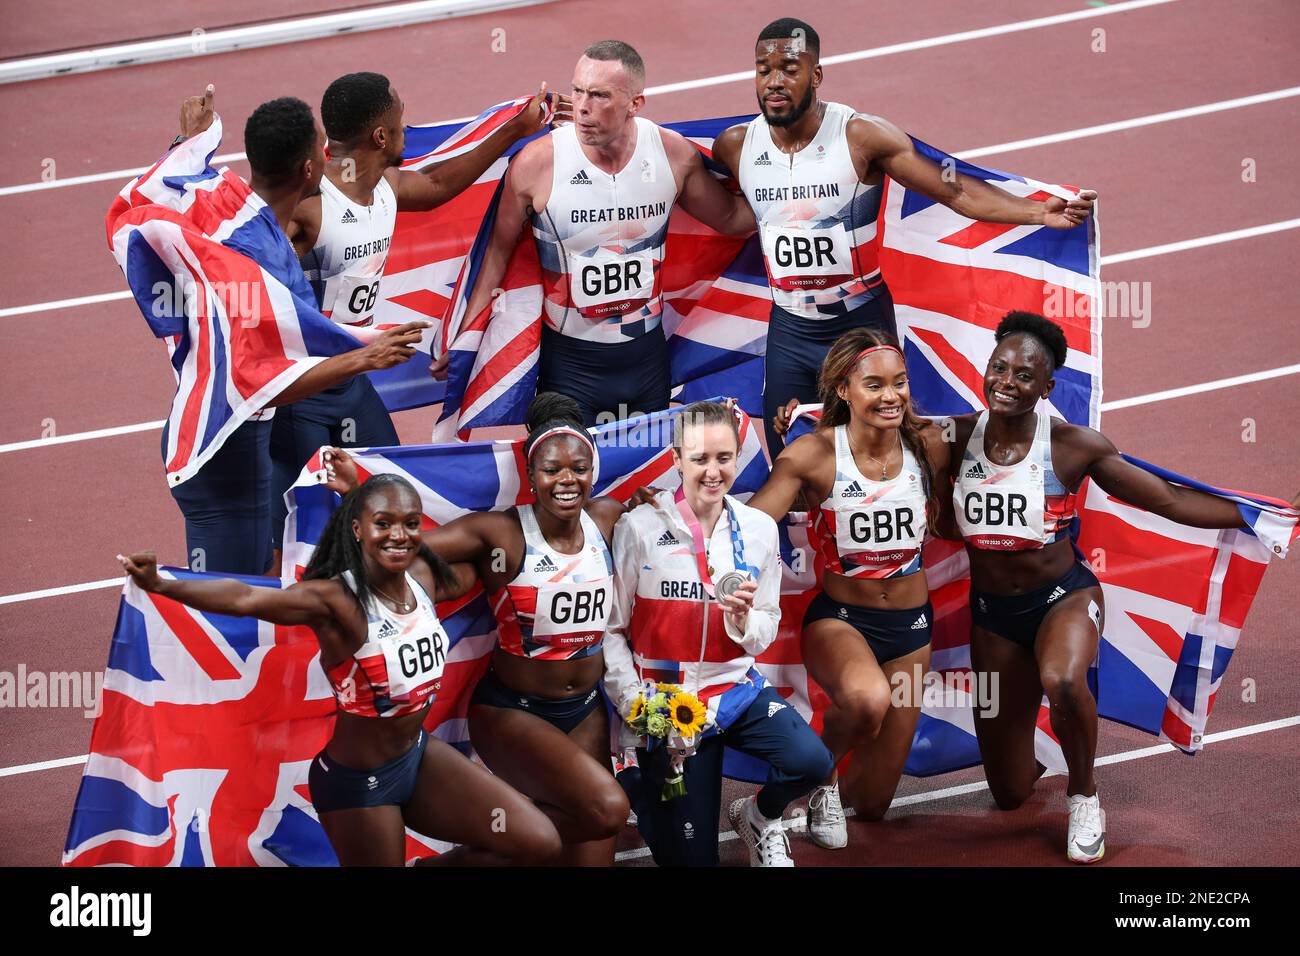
(889, 634)
(336, 787)
(1018, 616)
(563, 713)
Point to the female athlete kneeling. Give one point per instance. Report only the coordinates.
(870, 467)
(368, 594)
(1036, 608)
(537, 717)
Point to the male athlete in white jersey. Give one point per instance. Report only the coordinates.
(597, 195)
(813, 171)
(342, 237)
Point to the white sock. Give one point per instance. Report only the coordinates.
(756, 816)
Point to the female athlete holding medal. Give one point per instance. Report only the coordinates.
(368, 594)
(697, 588)
(870, 467)
(537, 717)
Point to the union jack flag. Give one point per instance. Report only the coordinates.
(215, 278)
(1176, 600)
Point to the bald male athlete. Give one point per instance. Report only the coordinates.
(814, 171)
(597, 196)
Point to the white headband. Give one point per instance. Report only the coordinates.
(582, 436)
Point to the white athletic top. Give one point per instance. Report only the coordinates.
(347, 262)
(1015, 507)
(816, 220)
(557, 606)
(601, 239)
(871, 529)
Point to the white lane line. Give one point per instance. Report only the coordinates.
(1202, 389)
(1150, 120)
(43, 765)
(909, 46)
(125, 174)
(65, 589)
(931, 796)
(203, 43)
(81, 436)
(1214, 240)
(65, 303)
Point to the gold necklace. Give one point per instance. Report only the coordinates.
(402, 607)
(884, 469)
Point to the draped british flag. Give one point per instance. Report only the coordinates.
(951, 279)
(715, 317)
(1176, 601)
(214, 277)
(209, 724)
(217, 280)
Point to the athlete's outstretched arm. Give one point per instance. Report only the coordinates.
(429, 188)
(307, 602)
(391, 347)
(892, 150)
(783, 485)
(1139, 487)
(703, 196)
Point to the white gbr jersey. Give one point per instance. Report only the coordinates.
(601, 239)
(816, 220)
(347, 262)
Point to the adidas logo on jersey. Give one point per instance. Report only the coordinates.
(387, 630)
(580, 179)
(921, 623)
(763, 160)
(348, 217)
(976, 471)
(666, 540)
(854, 490)
(773, 707)
(546, 564)
(1059, 592)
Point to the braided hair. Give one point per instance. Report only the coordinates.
(339, 550)
(839, 364)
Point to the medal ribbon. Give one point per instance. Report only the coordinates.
(697, 540)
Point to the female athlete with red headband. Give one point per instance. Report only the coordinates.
(870, 467)
(537, 718)
(1036, 607)
(368, 595)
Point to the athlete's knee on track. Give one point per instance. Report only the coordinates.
(1010, 796)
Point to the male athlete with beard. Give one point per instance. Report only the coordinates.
(342, 236)
(814, 171)
(597, 196)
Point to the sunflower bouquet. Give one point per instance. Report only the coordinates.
(666, 714)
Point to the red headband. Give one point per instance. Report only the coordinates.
(875, 348)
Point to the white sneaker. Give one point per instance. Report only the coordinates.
(768, 846)
(826, 824)
(1086, 842)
